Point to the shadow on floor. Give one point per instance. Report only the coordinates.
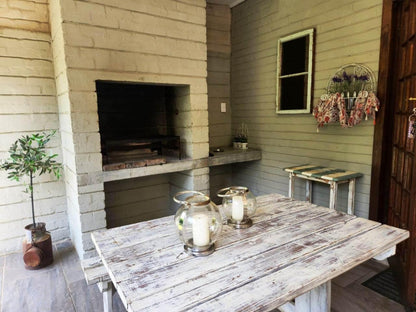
(58, 287)
(62, 287)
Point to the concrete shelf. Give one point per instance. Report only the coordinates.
(228, 155)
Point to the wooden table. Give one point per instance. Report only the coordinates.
(330, 176)
(292, 250)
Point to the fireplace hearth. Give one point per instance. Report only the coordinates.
(134, 153)
(138, 123)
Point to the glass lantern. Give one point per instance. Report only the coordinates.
(198, 221)
(238, 204)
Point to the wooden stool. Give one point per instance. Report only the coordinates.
(330, 176)
(96, 273)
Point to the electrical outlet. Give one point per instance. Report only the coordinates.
(223, 107)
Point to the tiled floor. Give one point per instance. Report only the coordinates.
(348, 295)
(61, 287)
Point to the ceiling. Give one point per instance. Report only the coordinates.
(230, 3)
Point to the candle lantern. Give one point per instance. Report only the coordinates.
(238, 204)
(198, 221)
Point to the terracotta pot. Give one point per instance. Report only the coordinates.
(37, 247)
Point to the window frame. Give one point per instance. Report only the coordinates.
(304, 33)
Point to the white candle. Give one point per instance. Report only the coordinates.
(200, 230)
(237, 213)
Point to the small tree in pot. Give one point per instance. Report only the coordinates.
(28, 159)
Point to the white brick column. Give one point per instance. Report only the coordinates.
(160, 42)
(80, 145)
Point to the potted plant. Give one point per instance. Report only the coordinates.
(240, 140)
(28, 159)
(236, 141)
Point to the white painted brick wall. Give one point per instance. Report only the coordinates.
(154, 42)
(28, 104)
(163, 43)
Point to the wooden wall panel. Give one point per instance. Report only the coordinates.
(218, 80)
(135, 200)
(346, 32)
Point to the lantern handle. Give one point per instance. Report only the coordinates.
(185, 202)
(235, 190)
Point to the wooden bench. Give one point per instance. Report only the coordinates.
(96, 273)
(321, 174)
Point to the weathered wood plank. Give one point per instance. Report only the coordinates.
(326, 174)
(152, 252)
(291, 248)
(94, 271)
(163, 233)
(266, 205)
(282, 285)
(330, 176)
(233, 267)
(138, 162)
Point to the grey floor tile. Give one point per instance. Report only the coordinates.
(41, 290)
(118, 304)
(60, 287)
(67, 257)
(86, 298)
(89, 299)
(14, 266)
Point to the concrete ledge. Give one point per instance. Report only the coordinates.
(231, 156)
(228, 156)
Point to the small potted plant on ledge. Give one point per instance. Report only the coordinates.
(28, 159)
(240, 140)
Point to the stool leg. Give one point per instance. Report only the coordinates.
(351, 196)
(333, 194)
(291, 185)
(309, 191)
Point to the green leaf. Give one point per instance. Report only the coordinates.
(27, 156)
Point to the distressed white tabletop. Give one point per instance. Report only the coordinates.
(291, 248)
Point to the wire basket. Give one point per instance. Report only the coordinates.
(351, 79)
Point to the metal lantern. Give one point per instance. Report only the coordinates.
(238, 204)
(198, 221)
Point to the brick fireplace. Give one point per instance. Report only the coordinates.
(139, 123)
(140, 42)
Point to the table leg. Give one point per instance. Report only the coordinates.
(106, 289)
(351, 196)
(315, 300)
(388, 253)
(291, 185)
(309, 191)
(333, 194)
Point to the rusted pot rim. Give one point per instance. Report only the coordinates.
(39, 227)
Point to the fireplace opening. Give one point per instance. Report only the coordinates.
(139, 123)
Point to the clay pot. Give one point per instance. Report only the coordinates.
(37, 247)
